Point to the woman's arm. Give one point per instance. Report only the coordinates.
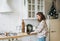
(39, 29)
(33, 33)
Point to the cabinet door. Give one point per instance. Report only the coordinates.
(4, 40)
(33, 38)
(26, 38)
(29, 38)
(54, 30)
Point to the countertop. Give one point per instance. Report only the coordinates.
(16, 36)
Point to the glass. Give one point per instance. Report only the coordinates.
(38, 1)
(41, 2)
(41, 8)
(33, 7)
(33, 14)
(29, 1)
(38, 7)
(29, 7)
(29, 14)
(33, 1)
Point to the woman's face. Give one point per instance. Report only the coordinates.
(38, 17)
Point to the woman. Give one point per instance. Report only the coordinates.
(42, 29)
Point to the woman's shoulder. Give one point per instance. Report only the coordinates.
(43, 21)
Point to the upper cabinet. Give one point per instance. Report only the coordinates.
(31, 7)
(4, 6)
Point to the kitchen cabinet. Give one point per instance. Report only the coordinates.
(25, 38)
(28, 38)
(19, 37)
(4, 40)
(31, 7)
(4, 6)
(54, 29)
(33, 38)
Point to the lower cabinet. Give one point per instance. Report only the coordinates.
(25, 38)
(4, 40)
(33, 38)
(28, 38)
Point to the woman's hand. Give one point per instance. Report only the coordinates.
(33, 33)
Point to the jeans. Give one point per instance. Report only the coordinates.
(42, 39)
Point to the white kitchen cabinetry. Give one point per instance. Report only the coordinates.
(4, 6)
(24, 38)
(4, 40)
(33, 38)
(31, 7)
(28, 38)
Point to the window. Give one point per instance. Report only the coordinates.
(34, 6)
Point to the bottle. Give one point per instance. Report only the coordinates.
(23, 26)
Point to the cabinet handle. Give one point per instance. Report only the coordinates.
(53, 31)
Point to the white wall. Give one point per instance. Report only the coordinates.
(9, 21)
